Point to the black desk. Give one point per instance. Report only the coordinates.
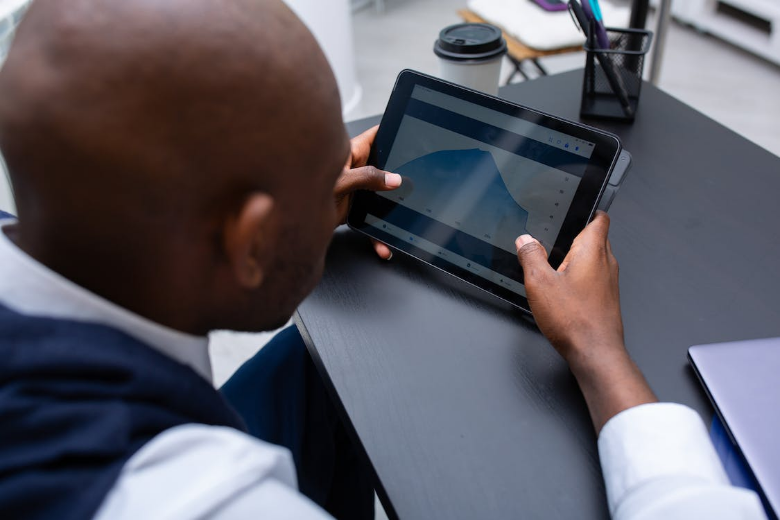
(463, 408)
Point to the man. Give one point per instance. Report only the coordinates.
(175, 166)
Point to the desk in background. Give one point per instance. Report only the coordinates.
(463, 408)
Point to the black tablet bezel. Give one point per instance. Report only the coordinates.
(606, 151)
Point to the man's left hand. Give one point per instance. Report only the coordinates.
(357, 175)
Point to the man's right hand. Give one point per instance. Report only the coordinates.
(577, 308)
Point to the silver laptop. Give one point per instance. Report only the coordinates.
(742, 379)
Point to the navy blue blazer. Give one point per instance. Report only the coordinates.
(77, 400)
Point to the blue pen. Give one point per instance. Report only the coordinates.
(594, 5)
(593, 12)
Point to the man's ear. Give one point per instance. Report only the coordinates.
(249, 239)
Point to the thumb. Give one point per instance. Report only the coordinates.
(532, 256)
(367, 178)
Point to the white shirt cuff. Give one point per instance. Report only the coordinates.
(652, 441)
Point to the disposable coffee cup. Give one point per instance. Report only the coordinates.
(470, 54)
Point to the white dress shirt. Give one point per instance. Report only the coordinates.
(659, 463)
(657, 459)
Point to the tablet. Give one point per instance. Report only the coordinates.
(479, 171)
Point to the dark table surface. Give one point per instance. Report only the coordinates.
(461, 405)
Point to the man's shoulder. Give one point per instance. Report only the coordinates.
(115, 394)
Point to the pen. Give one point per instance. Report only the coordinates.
(593, 12)
(615, 82)
(579, 14)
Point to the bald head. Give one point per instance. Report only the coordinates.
(154, 96)
(134, 131)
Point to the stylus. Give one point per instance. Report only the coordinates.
(593, 12)
(615, 82)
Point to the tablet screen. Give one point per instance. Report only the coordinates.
(474, 179)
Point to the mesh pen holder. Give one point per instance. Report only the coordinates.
(614, 94)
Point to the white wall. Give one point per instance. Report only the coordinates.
(331, 23)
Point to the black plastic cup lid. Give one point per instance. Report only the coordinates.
(470, 42)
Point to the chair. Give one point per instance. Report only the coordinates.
(517, 52)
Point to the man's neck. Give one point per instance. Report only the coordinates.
(134, 281)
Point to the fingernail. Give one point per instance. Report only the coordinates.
(389, 257)
(523, 240)
(392, 180)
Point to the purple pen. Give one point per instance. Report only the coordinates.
(594, 14)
